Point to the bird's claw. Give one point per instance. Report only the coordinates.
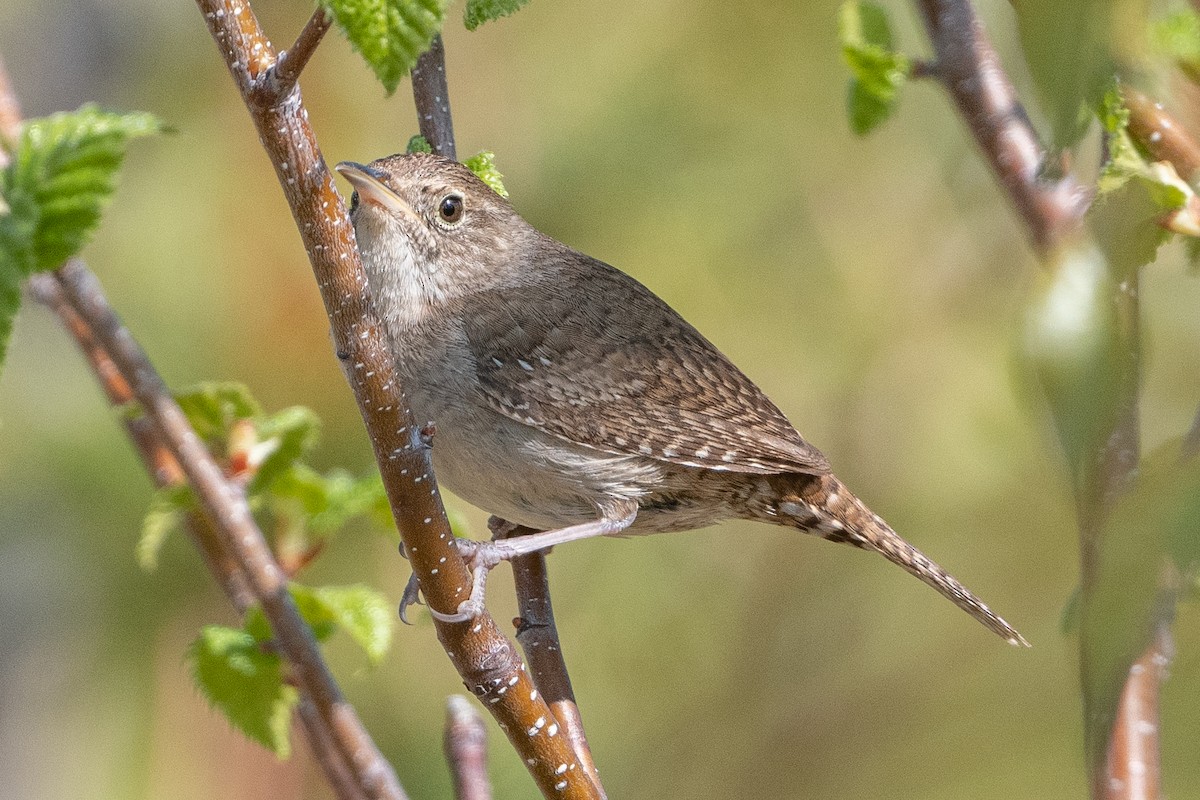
(411, 597)
(481, 558)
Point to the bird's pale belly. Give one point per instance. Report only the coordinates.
(536, 479)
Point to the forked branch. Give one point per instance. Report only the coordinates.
(486, 660)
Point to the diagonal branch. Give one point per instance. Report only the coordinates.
(967, 66)
(225, 505)
(465, 742)
(432, 96)
(486, 660)
(538, 636)
(165, 470)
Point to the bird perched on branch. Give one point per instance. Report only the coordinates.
(569, 398)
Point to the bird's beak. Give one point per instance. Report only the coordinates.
(369, 184)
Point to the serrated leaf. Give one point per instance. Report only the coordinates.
(285, 435)
(361, 612)
(246, 684)
(213, 407)
(389, 34)
(878, 72)
(166, 513)
(66, 165)
(484, 166)
(418, 144)
(480, 11)
(10, 301)
(326, 502)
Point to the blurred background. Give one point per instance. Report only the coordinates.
(873, 288)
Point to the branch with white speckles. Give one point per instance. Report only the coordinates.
(74, 295)
(487, 661)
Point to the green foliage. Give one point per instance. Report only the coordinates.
(1138, 203)
(1158, 517)
(360, 611)
(389, 34)
(1072, 342)
(62, 172)
(418, 144)
(166, 514)
(328, 502)
(481, 11)
(242, 676)
(214, 406)
(283, 438)
(1069, 47)
(1177, 36)
(484, 166)
(878, 72)
(288, 497)
(246, 683)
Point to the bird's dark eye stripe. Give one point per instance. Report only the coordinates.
(451, 208)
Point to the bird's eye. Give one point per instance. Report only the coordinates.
(450, 209)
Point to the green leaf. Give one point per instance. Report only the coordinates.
(877, 71)
(418, 144)
(1138, 203)
(481, 11)
(65, 168)
(361, 612)
(1123, 601)
(286, 436)
(389, 34)
(166, 513)
(1177, 36)
(484, 166)
(1071, 340)
(213, 407)
(246, 684)
(1070, 48)
(325, 503)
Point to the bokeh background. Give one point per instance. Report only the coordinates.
(872, 287)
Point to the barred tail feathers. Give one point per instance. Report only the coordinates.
(825, 507)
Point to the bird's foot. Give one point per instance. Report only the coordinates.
(481, 558)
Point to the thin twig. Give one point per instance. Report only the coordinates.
(465, 742)
(432, 98)
(537, 634)
(226, 506)
(281, 80)
(969, 69)
(487, 661)
(1152, 127)
(1134, 762)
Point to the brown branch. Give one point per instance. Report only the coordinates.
(537, 634)
(1161, 135)
(225, 505)
(281, 80)
(465, 743)
(432, 97)
(486, 660)
(969, 69)
(1134, 763)
(165, 471)
(157, 459)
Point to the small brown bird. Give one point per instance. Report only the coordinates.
(569, 398)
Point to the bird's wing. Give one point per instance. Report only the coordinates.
(620, 371)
